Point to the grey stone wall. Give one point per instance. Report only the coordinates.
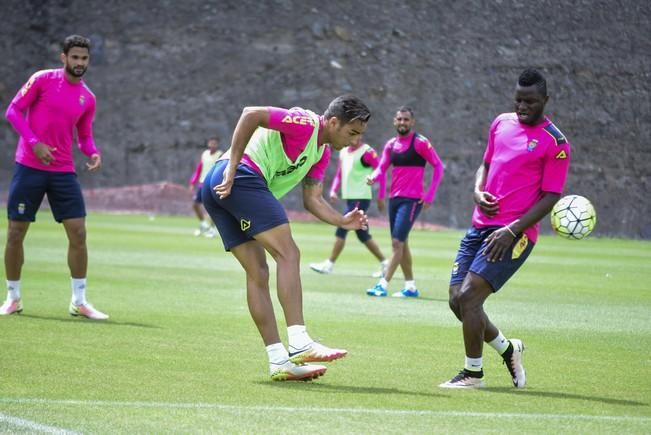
(168, 74)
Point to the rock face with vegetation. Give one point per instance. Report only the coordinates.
(168, 74)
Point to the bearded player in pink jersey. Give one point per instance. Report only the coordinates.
(521, 178)
(272, 150)
(56, 102)
(408, 153)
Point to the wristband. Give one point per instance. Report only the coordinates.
(510, 230)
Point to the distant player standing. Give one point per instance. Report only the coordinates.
(57, 102)
(408, 153)
(208, 158)
(272, 150)
(356, 162)
(521, 178)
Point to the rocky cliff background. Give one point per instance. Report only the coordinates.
(167, 74)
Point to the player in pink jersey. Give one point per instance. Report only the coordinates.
(355, 163)
(208, 158)
(408, 153)
(273, 150)
(56, 103)
(521, 178)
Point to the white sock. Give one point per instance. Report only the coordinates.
(500, 343)
(204, 225)
(298, 337)
(473, 364)
(78, 290)
(383, 283)
(384, 262)
(410, 285)
(13, 290)
(329, 263)
(277, 355)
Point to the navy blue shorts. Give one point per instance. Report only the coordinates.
(29, 186)
(250, 209)
(197, 195)
(470, 257)
(362, 204)
(402, 215)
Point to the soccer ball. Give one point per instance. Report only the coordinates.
(573, 217)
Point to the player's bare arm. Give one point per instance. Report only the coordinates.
(315, 203)
(251, 118)
(486, 202)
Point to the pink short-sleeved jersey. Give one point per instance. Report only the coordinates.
(54, 107)
(295, 131)
(523, 162)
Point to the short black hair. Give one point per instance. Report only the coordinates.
(75, 41)
(406, 109)
(531, 77)
(347, 108)
(215, 138)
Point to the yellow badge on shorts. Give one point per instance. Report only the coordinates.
(244, 224)
(519, 247)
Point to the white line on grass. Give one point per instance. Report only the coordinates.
(239, 408)
(32, 425)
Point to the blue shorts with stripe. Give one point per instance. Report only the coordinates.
(402, 215)
(471, 258)
(361, 204)
(250, 208)
(29, 186)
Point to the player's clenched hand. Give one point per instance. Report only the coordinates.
(487, 203)
(223, 189)
(498, 244)
(94, 163)
(369, 180)
(355, 220)
(44, 153)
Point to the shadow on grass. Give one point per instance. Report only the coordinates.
(326, 388)
(89, 322)
(559, 395)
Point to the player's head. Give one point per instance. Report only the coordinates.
(75, 55)
(213, 143)
(345, 121)
(404, 120)
(531, 97)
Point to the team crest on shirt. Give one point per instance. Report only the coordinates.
(82, 100)
(532, 145)
(561, 155)
(245, 224)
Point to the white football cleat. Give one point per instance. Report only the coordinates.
(324, 267)
(289, 371)
(315, 352)
(513, 362)
(11, 306)
(86, 310)
(465, 379)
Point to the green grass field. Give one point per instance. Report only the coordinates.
(180, 353)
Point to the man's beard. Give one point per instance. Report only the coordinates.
(76, 73)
